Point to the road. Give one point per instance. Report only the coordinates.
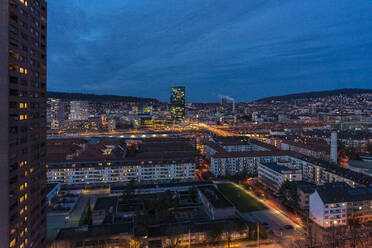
(274, 220)
(277, 212)
(214, 130)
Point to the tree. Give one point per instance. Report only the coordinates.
(214, 234)
(288, 194)
(369, 148)
(129, 190)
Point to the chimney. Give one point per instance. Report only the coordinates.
(334, 147)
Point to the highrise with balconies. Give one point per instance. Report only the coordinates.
(23, 27)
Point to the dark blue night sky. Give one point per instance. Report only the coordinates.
(245, 49)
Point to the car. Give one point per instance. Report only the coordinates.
(288, 227)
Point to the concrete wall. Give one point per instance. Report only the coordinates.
(316, 208)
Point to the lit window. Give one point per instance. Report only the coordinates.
(12, 243)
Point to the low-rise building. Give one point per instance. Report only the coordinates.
(304, 190)
(215, 204)
(316, 150)
(116, 161)
(338, 203)
(273, 175)
(233, 163)
(236, 155)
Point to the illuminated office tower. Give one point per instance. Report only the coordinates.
(177, 101)
(23, 27)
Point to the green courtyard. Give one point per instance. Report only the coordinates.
(242, 201)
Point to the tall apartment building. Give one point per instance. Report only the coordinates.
(23, 27)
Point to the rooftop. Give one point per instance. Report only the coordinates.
(87, 232)
(341, 192)
(361, 165)
(118, 150)
(249, 154)
(359, 178)
(306, 187)
(276, 167)
(215, 197)
(316, 147)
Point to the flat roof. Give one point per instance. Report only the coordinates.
(215, 197)
(249, 154)
(278, 168)
(88, 232)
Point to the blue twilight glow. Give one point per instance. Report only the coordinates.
(246, 49)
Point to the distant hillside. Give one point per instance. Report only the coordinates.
(315, 94)
(99, 98)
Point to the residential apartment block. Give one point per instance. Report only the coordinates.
(23, 27)
(273, 175)
(338, 203)
(78, 161)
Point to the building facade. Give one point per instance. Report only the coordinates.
(338, 204)
(177, 101)
(79, 111)
(273, 175)
(23, 27)
(120, 171)
(92, 161)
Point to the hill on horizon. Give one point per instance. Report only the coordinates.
(99, 98)
(315, 94)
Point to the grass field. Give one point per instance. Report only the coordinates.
(242, 201)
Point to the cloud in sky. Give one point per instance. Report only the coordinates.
(245, 49)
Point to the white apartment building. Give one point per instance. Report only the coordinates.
(120, 172)
(273, 175)
(232, 163)
(79, 161)
(337, 203)
(327, 208)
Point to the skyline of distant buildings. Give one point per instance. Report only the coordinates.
(143, 173)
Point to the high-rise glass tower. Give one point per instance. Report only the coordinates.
(23, 28)
(177, 101)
